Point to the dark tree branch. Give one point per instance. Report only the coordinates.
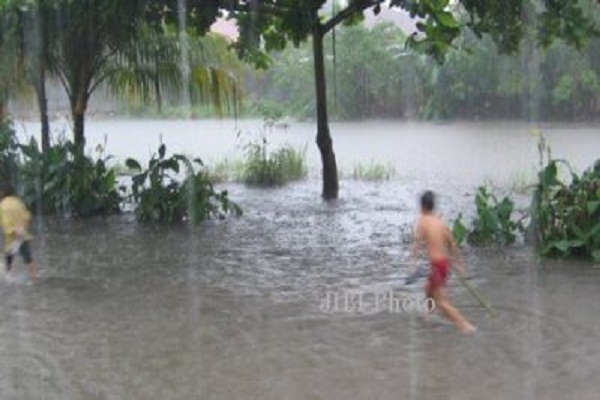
(353, 7)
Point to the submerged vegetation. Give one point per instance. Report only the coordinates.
(494, 221)
(161, 197)
(272, 168)
(564, 214)
(67, 183)
(568, 214)
(566, 211)
(373, 171)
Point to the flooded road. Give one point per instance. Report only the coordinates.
(234, 309)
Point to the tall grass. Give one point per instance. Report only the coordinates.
(264, 168)
(226, 170)
(373, 172)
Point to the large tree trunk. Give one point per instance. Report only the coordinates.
(43, 108)
(2, 111)
(324, 142)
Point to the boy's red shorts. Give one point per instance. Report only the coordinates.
(438, 273)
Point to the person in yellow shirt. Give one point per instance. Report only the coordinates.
(14, 220)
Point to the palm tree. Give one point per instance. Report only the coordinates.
(12, 74)
(153, 70)
(88, 36)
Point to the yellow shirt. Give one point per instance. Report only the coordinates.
(13, 215)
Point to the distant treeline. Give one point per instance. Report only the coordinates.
(372, 75)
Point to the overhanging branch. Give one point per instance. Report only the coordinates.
(353, 7)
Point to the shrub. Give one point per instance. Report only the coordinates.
(160, 197)
(568, 215)
(273, 169)
(67, 183)
(493, 223)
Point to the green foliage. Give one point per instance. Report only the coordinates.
(568, 214)
(66, 183)
(459, 230)
(8, 154)
(276, 168)
(439, 22)
(160, 197)
(476, 80)
(493, 222)
(150, 71)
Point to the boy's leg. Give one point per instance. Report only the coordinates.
(444, 305)
(26, 253)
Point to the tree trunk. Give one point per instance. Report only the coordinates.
(324, 142)
(78, 109)
(43, 108)
(158, 94)
(78, 130)
(2, 111)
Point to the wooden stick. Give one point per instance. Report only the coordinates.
(476, 295)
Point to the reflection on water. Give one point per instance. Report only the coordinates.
(230, 310)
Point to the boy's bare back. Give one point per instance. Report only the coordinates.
(436, 236)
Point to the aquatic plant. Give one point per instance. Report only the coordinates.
(494, 222)
(373, 172)
(565, 210)
(226, 170)
(567, 215)
(263, 168)
(67, 183)
(459, 230)
(161, 197)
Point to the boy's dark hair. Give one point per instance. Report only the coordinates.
(427, 201)
(6, 190)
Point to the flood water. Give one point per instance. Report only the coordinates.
(234, 309)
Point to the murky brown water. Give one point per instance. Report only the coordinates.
(232, 309)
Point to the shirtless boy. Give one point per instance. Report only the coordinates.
(432, 233)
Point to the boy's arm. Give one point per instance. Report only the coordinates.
(415, 247)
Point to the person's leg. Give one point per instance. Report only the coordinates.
(26, 254)
(8, 260)
(446, 308)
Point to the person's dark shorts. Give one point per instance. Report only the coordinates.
(25, 251)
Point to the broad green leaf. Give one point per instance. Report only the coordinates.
(133, 164)
(446, 19)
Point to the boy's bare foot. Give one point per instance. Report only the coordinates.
(468, 329)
